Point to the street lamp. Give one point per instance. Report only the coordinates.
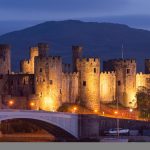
(74, 109)
(11, 103)
(95, 111)
(131, 110)
(32, 104)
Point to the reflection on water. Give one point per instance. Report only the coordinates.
(27, 137)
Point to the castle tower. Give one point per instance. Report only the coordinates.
(48, 80)
(125, 80)
(76, 53)
(147, 66)
(89, 79)
(5, 60)
(27, 66)
(43, 49)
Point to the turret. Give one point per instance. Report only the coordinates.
(125, 80)
(43, 49)
(5, 61)
(76, 54)
(89, 79)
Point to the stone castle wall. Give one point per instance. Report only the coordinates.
(27, 66)
(70, 87)
(89, 79)
(107, 87)
(142, 80)
(18, 85)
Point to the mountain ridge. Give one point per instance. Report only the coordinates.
(103, 40)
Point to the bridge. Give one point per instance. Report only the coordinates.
(64, 125)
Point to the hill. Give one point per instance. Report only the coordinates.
(98, 39)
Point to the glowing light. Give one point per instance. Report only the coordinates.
(103, 113)
(32, 104)
(11, 102)
(95, 111)
(131, 110)
(116, 112)
(75, 108)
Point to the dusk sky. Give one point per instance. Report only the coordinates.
(132, 12)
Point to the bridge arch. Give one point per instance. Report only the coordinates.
(59, 124)
(57, 132)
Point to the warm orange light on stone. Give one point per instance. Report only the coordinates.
(32, 104)
(116, 112)
(95, 110)
(11, 102)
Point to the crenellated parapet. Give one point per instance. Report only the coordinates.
(142, 80)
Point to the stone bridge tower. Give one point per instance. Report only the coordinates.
(89, 79)
(125, 80)
(5, 59)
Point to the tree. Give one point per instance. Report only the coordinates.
(143, 102)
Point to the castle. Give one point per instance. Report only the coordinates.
(45, 82)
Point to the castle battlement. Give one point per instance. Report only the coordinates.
(108, 73)
(89, 60)
(25, 61)
(71, 74)
(50, 58)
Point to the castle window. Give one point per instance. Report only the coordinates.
(84, 83)
(128, 71)
(60, 91)
(119, 83)
(40, 69)
(94, 70)
(51, 81)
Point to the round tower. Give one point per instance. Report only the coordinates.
(125, 80)
(43, 49)
(48, 82)
(5, 60)
(147, 66)
(89, 79)
(76, 53)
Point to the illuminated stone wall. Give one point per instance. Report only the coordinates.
(17, 84)
(107, 87)
(70, 87)
(5, 60)
(27, 66)
(89, 82)
(48, 82)
(125, 80)
(142, 80)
